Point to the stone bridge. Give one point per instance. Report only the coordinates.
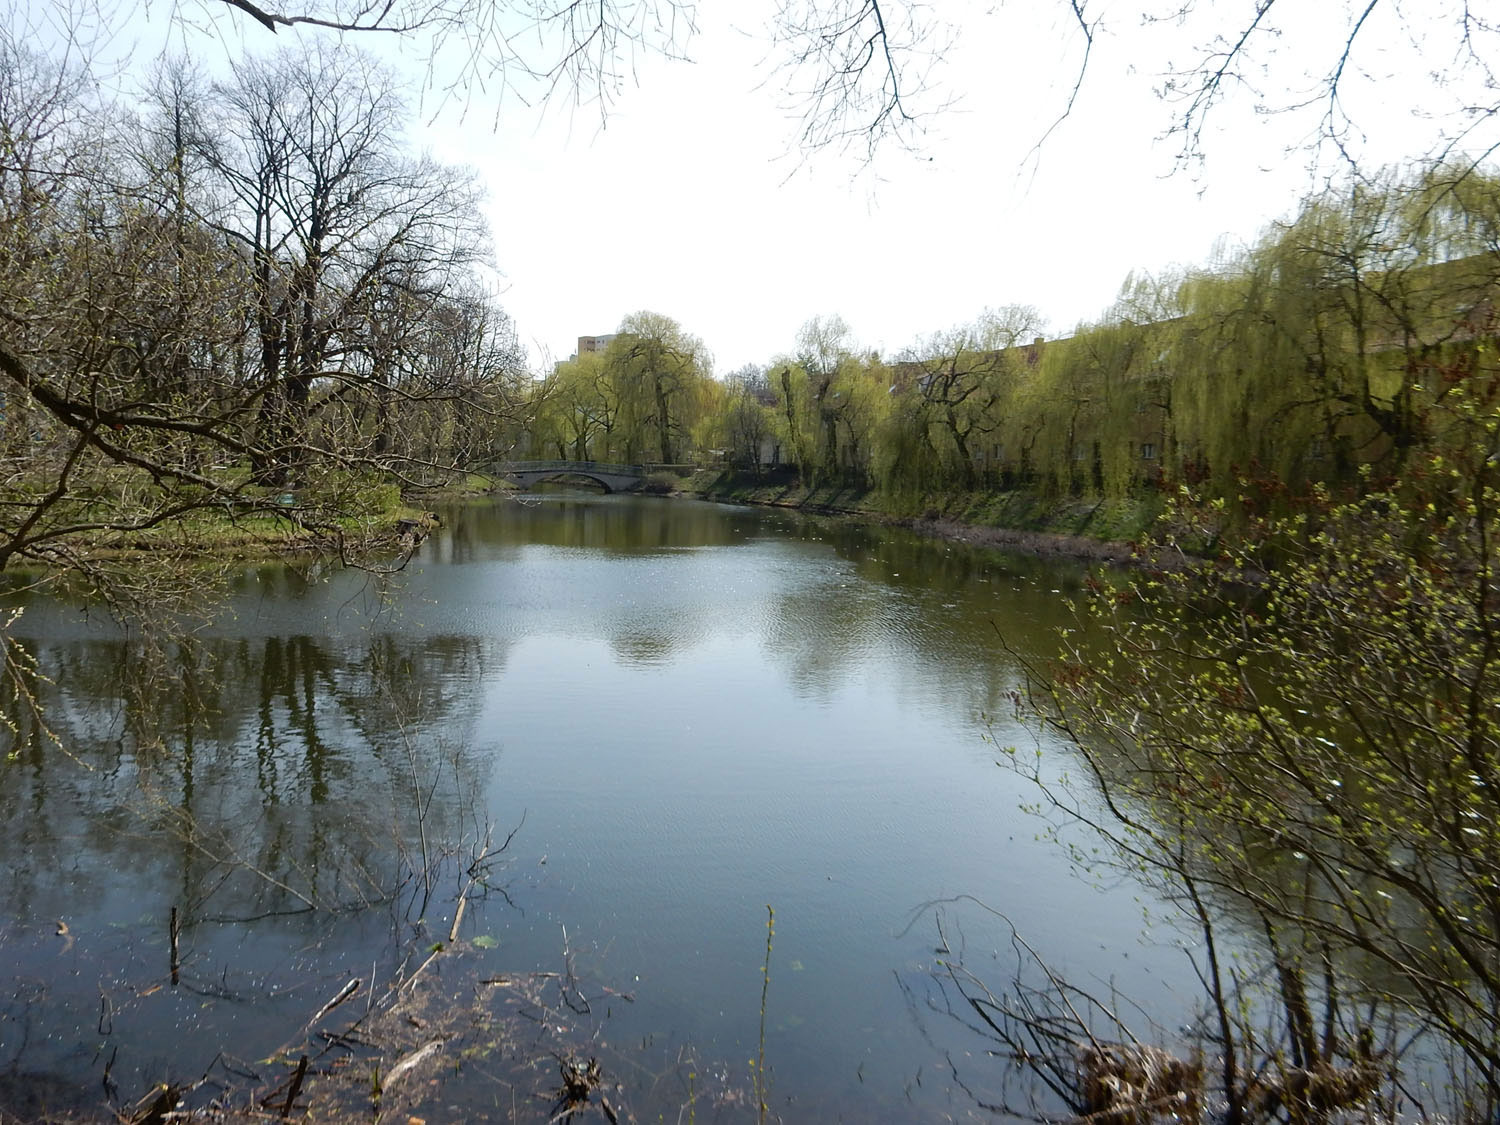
(613, 478)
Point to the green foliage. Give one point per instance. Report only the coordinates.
(1303, 736)
(1084, 411)
(952, 396)
(1330, 346)
(1324, 354)
(827, 404)
(1327, 345)
(642, 400)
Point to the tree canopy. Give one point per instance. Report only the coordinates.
(640, 400)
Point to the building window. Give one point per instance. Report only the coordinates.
(1148, 451)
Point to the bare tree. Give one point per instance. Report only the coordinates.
(340, 231)
(233, 278)
(863, 75)
(98, 285)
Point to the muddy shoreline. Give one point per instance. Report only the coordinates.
(1042, 544)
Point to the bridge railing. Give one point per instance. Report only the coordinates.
(571, 466)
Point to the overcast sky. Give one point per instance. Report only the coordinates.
(693, 200)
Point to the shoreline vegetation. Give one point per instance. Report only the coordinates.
(260, 536)
(1091, 530)
(1094, 530)
(1088, 529)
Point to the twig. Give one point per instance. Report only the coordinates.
(570, 981)
(174, 931)
(765, 987)
(296, 1089)
(406, 1063)
(458, 914)
(343, 994)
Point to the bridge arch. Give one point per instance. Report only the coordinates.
(612, 478)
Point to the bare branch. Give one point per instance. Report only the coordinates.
(858, 71)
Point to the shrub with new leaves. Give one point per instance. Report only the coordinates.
(1299, 740)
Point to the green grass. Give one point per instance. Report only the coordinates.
(363, 514)
(1017, 510)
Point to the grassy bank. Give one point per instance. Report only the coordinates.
(295, 528)
(259, 535)
(469, 486)
(1015, 520)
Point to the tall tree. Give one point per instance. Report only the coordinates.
(749, 417)
(655, 368)
(335, 223)
(957, 383)
(826, 401)
(1326, 345)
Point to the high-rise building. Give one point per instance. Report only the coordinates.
(593, 343)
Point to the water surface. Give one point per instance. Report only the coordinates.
(684, 711)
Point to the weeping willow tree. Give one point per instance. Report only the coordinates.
(1330, 343)
(643, 398)
(828, 403)
(1095, 416)
(907, 462)
(655, 371)
(574, 411)
(952, 392)
(742, 424)
(1328, 346)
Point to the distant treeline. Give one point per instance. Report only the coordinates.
(1327, 352)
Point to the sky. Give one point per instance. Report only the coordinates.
(692, 199)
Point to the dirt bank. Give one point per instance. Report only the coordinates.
(1044, 544)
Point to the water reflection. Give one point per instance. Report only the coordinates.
(282, 745)
(699, 709)
(621, 527)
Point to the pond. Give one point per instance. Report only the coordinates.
(678, 713)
